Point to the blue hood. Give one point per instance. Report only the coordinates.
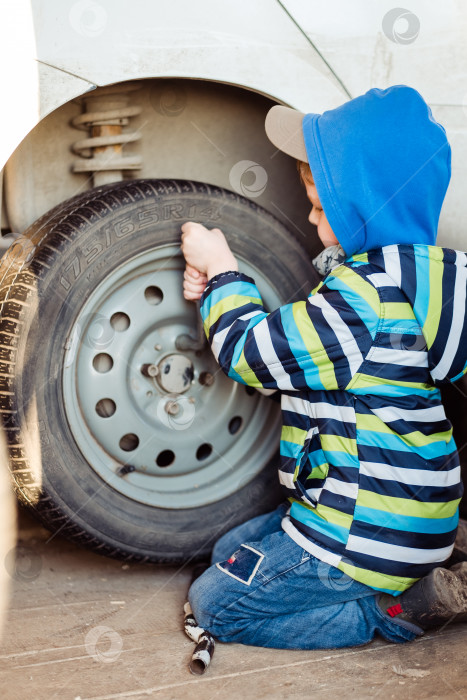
(381, 165)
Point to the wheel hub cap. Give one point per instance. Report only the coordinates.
(175, 374)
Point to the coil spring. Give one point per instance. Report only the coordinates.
(107, 112)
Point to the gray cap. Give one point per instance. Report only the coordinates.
(283, 127)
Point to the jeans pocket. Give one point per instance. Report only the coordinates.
(243, 564)
(305, 556)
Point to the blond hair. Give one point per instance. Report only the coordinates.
(304, 172)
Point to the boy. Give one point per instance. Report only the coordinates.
(368, 462)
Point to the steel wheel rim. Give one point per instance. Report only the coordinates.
(222, 435)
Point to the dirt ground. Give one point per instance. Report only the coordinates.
(84, 627)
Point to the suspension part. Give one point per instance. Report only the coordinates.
(106, 112)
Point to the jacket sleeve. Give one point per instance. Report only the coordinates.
(317, 343)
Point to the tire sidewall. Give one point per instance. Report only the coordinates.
(101, 241)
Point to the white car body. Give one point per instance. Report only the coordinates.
(310, 55)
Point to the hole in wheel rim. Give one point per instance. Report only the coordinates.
(129, 442)
(120, 321)
(165, 458)
(106, 408)
(102, 363)
(153, 295)
(235, 424)
(203, 451)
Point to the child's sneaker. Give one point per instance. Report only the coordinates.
(434, 600)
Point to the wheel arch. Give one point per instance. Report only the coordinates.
(57, 52)
(189, 129)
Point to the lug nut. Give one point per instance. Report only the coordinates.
(150, 370)
(157, 346)
(172, 408)
(206, 379)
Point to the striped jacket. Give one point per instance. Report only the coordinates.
(368, 461)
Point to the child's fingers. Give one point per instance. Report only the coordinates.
(197, 279)
(192, 271)
(193, 286)
(194, 283)
(192, 296)
(194, 280)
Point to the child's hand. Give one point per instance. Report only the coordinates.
(206, 250)
(194, 283)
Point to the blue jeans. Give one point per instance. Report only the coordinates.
(265, 590)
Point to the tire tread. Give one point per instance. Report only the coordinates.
(19, 277)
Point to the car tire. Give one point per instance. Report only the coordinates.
(122, 475)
